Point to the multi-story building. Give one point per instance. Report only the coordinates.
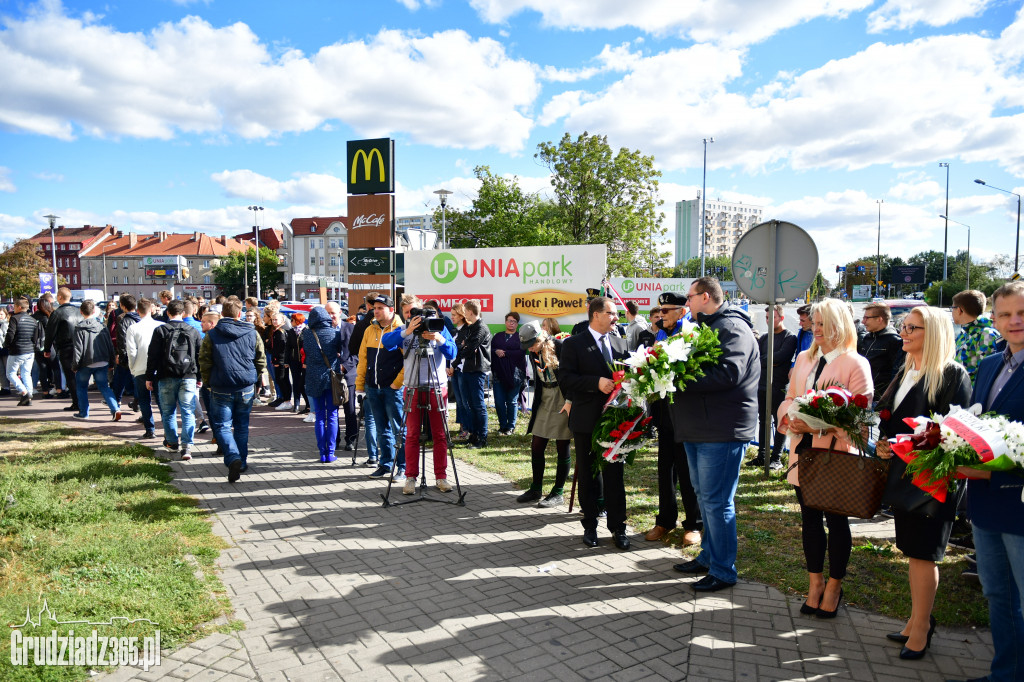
(117, 264)
(316, 247)
(726, 223)
(69, 243)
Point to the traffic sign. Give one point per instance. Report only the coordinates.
(369, 261)
(774, 262)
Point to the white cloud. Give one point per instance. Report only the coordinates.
(49, 177)
(935, 98)
(916, 191)
(904, 14)
(62, 76)
(734, 22)
(312, 188)
(413, 5)
(6, 184)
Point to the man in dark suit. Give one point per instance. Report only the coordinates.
(585, 377)
(994, 497)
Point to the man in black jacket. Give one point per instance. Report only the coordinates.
(474, 359)
(25, 335)
(714, 419)
(881, 346)
(784, 344)
(91, 356)
(122, 375)
(173, 367)
(585, 377)
(60, 337)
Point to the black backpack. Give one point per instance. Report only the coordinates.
(179, 352)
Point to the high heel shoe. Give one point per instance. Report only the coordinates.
(822, 613)
(808, 610)
(911, 655)
(902, 638)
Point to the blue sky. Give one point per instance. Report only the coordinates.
(177, 115)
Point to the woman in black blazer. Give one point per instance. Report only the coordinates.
(930, 382)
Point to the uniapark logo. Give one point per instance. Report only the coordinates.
(628, 286)
(445, 267)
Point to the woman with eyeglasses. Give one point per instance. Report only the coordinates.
(830, 360)
(931, 381)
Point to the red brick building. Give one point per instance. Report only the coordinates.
(69, 242)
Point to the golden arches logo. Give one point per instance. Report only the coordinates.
(368, 164)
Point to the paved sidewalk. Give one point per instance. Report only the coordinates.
(333, 586)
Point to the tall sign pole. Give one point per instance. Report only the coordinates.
(53, 248)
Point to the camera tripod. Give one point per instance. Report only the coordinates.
(427, 398)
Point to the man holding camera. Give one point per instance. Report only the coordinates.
(428, 348)
(379, 379)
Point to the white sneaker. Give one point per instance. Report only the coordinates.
(186, 453)
(443, 485)
(284, 406)
(410, 486)
(310, 418)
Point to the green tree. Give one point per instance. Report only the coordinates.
(716, 266)
(230, 275)
(605, 198)
(984, 278)
(20, 265)
(819, 289)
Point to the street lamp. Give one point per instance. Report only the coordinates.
(443, 195)
(878, 251)
(53, 249)
(945, 238)
(1016, 253)
(968, 247)
(703, 203)
(256, 235)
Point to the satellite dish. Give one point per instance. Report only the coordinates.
(774, 262)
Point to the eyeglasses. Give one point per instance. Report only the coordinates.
(871, 317)
(689, 296)
(910, 328)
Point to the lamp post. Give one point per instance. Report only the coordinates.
(256, 235)
(945, 238)
(443, 195)
(703, 203)
(968, 247)
(878, 251)
(1016, 252)
(53, 248)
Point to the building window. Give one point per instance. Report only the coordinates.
(321, 260)
(206, 279)
(321, 243)
(126, 267)
(334, 261)
(60, 262)
(74, 279)
(312, 260)
(140, 280)
(115, 265)
(206, 264)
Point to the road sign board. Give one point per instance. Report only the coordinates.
(369, 261)
(774, 262)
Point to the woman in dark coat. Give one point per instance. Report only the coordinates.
(930, 382)
(549, 415)
(318, 379)
(294, 356)
(277, 349)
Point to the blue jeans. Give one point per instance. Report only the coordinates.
(386, 406)
(326, 425)
(174, 393)
(473, 385)
(1001, 570)
(506, 404)
(99, 375)
(19, 373)
(715, 473)
(123, 381)
(370, 430)
(144, 398)
(229, 414)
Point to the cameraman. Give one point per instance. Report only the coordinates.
(425, 340)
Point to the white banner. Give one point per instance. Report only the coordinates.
(534, 281)
(644, 291)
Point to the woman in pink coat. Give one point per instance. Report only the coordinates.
(831, 360)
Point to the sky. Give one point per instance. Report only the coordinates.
(179, 114)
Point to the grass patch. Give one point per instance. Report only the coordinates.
(93, 527)
(768, 525)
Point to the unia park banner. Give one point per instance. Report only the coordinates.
(645, 291)
(534, 281)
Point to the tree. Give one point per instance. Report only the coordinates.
(20, 266)
(819, 288)
(604, 198)
(230, 274)
(716, 266)
(983, 278)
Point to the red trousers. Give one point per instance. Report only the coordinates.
(422, 401)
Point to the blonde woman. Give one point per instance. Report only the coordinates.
(831, 359)
(929, 382)
(549, 416)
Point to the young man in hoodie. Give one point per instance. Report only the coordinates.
(25, 335)
(173, 368)
(91, 356)
(426, 390)
(978, 338)
(379, 378)
(136, 343)
(231, 359)
(714, 420)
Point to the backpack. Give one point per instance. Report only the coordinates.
(178, 352)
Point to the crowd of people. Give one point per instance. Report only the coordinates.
(210, 364)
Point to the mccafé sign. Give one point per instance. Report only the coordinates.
(371, 166)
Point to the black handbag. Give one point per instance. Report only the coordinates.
(339, 387)
(906, 498)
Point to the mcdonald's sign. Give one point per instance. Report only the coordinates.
(371, 166)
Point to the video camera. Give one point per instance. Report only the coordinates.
(432, 320)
